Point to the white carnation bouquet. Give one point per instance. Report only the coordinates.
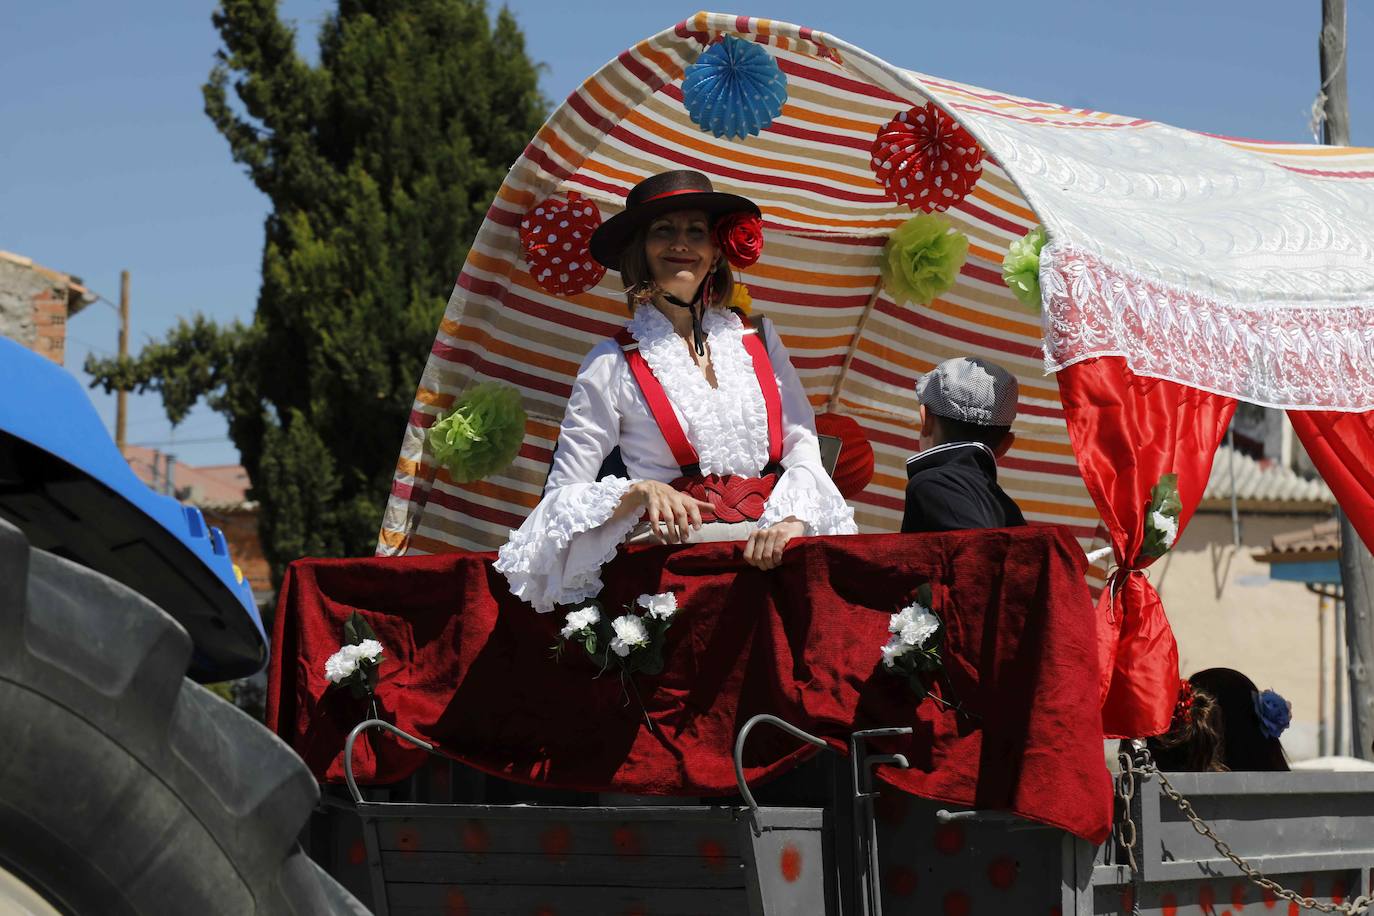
(358, 661)
(631, 642)
(913, 648)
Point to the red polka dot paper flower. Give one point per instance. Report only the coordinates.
(554, 235)
(926, 160)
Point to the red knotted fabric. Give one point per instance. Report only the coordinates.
(1128, 431)
(1341, 445)
(468, 668)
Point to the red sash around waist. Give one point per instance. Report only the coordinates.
(732, 498)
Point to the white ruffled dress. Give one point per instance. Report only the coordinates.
(557, 554)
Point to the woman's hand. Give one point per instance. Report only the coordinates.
(765, 545)
(678, 513)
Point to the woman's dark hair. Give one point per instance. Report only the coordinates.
(638, 279)
(1193, 743)
(1246, 746)
(1223, 731)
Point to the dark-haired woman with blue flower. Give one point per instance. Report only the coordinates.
(1224, 722)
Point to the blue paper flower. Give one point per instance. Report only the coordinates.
(734, 89)
(1274, 712)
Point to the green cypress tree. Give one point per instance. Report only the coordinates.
(380, 163)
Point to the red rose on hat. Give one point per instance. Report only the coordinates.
(740, 238)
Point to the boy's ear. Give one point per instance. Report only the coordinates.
(924, 417)
(1005, 445)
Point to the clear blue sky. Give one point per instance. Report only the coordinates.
(108, 162)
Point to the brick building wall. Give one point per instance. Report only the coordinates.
(36, 303)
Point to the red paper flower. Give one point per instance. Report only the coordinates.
(926, 160)
(740, 237)
(1183, 709)
(554, 235)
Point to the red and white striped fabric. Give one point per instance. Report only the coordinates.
(826, 218)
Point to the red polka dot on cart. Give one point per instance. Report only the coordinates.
(926, 160)
(1002, 872)
(949, 838)
(790, 863)
(554, 235)
(900, 880)
(957, 903)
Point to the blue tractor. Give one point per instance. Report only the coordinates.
(125, 786)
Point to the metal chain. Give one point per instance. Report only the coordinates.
(1125, 825)
(1147, 767)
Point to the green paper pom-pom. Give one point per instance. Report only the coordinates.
(922, 259)
(481, 434)
(1021, 267)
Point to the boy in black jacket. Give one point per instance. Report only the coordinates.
(967, 408)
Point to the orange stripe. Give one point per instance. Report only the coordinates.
(1006, 206)
(987, 319)
(408, 467)
(601, 167)
(739, 157)
(847, 224)
(497, 344)
(545, 431)
(791, 110)
(797, 342)
(1035, 505)
(987, 254)
(551, 139)
(497, 492)
(438, 399)
(666, 64)
(613, 106)
(1269, 150)
(521, 199)
(1062, 449)
(815, 278)
(395, 540)
(430, 545)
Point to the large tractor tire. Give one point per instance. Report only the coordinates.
(124, 787)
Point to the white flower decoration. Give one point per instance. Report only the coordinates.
(579, 620)
(629, 634)
(914, 625)
(894, 650)
(340, 665)
(1167, 525)
(345, 662)
(661, 606)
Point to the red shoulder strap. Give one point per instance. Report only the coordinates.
(657, 398)
(768, 384)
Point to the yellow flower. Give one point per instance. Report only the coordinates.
(740, 298)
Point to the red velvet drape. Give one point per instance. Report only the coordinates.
(1127, 431)
(1341, 445)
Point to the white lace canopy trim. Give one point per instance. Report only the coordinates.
(723, 423)
(530, 559)
(1302, 355)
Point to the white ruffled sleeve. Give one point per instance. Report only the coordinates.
(804, 491)
(557, 554)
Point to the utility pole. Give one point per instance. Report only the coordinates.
(1357, 565)
(122, 396)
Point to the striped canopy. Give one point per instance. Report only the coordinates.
(1239, 267)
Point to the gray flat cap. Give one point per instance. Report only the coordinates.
(970, 389)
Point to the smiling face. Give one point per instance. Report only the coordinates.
(680, 251)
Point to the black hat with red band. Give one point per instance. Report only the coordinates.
(663, 193)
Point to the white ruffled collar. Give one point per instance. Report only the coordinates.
(728, 424)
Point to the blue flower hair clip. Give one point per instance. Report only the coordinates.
(1274, 712)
